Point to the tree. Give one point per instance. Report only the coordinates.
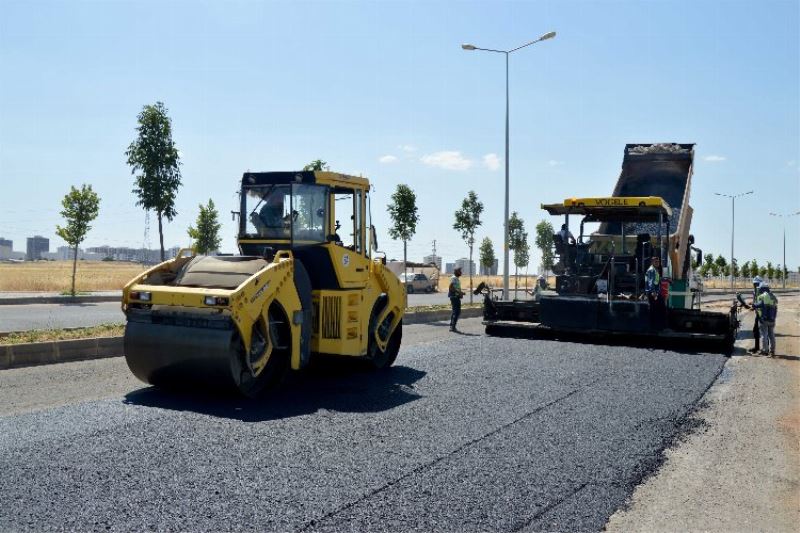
(721, 263)
(81, 206)
(403, 212)
(317, 164)
(544, 242)
(735, 268)
(708, 267)
(746, 270)
(155, 163)
(763, 272)
(517, 243)
(206, 236)
(522, 257)
(468, 219)
(755, 270)
(486, 253)
(778, 272)
(770, 270)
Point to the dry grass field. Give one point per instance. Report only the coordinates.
(56, 276)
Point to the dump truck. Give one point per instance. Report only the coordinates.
(304, 284)
(600, 275)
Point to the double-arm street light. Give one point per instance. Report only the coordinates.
(784, 215)
(733, 198)
(471, 47)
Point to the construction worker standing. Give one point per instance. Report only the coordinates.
(652, 288)
(767, 308)
(756, 332)
(455, 294)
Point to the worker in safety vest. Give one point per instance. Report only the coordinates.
(652, 288)
(455, 294)
(756, 331)
(767, 308)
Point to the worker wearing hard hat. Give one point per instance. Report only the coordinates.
(767, 307)
(756, 331)
(455, 294)
(652, 288)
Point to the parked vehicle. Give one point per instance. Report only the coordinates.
(417, 282)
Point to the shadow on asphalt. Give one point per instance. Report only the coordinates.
(345, 388)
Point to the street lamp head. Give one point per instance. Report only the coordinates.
(468, 47)
(548, 35)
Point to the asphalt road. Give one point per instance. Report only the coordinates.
(465, 433)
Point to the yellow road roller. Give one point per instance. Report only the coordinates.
(309, 282)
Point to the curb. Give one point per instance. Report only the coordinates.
(45, 353)
(25, 300)
(52, 352)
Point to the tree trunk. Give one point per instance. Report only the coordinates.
(516, 279)
(161, 235)
(470, 274)
(74, 267)
(405, 270)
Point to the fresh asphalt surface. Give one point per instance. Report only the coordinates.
(465, 433)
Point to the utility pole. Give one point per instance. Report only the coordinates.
(784, 267)
(733, 198)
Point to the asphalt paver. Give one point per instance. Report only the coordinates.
(465, 433)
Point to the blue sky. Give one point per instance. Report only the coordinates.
(383, 89)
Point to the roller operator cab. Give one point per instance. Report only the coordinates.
(308, 282)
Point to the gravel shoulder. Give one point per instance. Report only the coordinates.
(741, 470)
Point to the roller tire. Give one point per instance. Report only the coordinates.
(380, 359)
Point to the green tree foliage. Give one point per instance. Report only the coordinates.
(770, 270)
(467, 221)
(404, 215)
(80, 208)
(755, 270)
(544, 242)
(206, 235)
(735, 268)
(708, 266)
(763, 272)
(316, 165)
(518, 243)
(155, 163)
(486, 253)
(745, 271)
(779, 272)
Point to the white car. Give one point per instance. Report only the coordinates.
(416, 282)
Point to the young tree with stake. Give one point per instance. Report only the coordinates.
(155, 163)
(206, 235)
(403, 212)
(544, 242)
(468, 219)
(486, 254)
(517, 243)
(81, 206)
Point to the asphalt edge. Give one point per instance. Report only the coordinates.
(53, 352)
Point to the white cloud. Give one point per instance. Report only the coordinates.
(407, 148)
(554, 163)
(491, 161)
(714, 158)
(448, 160)
(791, 163)
(387, 158)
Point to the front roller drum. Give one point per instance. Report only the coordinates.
(180, 356)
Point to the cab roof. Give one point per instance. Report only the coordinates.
(321, 177)
(613, 208)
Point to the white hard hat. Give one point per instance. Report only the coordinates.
(764, 285)
(540, 277)
(757, 280)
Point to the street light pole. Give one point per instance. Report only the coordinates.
(733, 198)
(784, 215)
(471, 47)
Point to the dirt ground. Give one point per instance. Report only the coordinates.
(741, 470)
